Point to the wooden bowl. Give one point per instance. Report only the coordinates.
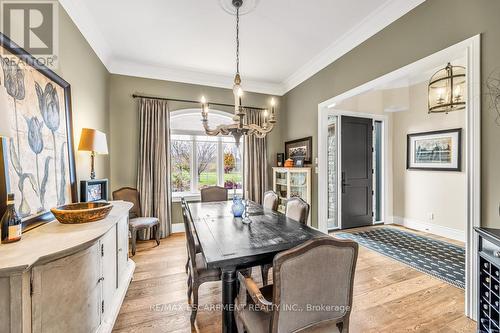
(82, 212)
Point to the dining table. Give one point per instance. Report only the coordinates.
(232, 244)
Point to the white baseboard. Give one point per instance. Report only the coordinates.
(177, 227)
(435, 229)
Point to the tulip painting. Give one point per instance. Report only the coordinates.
(14, 84)
(35, 141)
(41, 169)
(48, 103)
(13, 77)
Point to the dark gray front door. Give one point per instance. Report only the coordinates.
(357, 173)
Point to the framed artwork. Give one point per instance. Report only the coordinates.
(93, 190)
(280, 159)
(301, 148)
(438, 150)
(39, 160)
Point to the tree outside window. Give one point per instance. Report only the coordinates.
(198, 160)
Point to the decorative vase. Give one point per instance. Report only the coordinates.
(238, 207)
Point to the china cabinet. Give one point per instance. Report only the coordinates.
(292, 182)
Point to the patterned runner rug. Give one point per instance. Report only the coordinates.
(437, 258)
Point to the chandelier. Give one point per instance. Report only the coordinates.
(240, 126)
(446, 90)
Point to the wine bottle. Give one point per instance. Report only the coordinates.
(10, 223)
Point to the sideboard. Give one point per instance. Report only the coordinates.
(66, 278)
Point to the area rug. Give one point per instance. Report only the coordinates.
(440, 259)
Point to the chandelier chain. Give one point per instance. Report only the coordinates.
(238, 40)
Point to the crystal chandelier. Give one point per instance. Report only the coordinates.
(239, 127)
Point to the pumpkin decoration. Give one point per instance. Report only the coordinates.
(289, 163)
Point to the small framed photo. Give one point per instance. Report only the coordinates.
(438, 150)
(301, 148)
(93, 190)
(280, 159)
(299, 162)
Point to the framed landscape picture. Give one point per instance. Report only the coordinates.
(299, 149)
(38, 159)
(438, 150)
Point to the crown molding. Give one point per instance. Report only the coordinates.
(375, 22)
(80, 15)
(382, 17)
(124, 67)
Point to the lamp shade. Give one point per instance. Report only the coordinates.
(94, 141)
(5, 128)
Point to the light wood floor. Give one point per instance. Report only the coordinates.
(388, 296)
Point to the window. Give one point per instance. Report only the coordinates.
(180, 150)
(199, 160)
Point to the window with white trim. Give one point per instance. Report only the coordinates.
(199, 160)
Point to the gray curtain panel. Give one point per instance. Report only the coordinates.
(153, 178)
(255, 161)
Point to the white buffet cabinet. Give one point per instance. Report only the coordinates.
(66, 278)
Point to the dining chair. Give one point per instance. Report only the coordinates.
(312, 291)
(198, 271)
(297, 209)
(270, 200)
(137, 222)
(213, 193)
(195, 237)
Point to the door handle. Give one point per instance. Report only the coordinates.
(344, 184)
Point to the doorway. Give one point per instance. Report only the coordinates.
(357, 172)
(470, 51)
(356, 160)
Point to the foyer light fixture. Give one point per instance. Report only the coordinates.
(239, 127)
(447, 90)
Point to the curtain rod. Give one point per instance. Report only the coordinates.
(191, 101)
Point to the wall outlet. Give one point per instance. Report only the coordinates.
(431, 216)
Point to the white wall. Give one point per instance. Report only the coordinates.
(420, 193)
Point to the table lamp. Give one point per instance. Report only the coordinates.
(95, 142)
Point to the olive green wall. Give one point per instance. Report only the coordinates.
(432, 26)
(89, 79)
(124, 120)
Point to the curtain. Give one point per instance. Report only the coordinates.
(153, 178)
(255, 161)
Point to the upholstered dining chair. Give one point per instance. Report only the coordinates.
(137, 222)
(195, 237)
(198, 271)
(297, 209)
(270, 200)
(318, 273)
(213, 193)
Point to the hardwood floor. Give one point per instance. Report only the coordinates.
(388, 296)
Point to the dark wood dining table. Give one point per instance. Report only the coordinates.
(229, 244)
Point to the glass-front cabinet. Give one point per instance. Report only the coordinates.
(292, 182)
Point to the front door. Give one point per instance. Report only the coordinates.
(357, 172)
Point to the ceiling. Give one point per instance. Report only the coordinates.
(283, 42)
